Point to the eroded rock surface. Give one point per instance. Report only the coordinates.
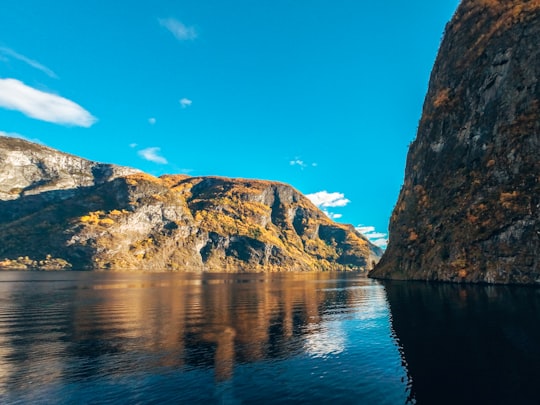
(469, 209)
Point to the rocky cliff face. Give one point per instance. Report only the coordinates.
(30, 169)
(60, 211)
(469, 209)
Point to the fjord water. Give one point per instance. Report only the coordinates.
(83, 337)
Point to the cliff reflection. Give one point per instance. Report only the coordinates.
(468, 344)
(204, 321)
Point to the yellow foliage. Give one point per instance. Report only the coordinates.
(442, 98)
(507, 200)
(472, 218)
(158, 197)
(134, 179)
(508, 196)
(459, 264)
(510, 13)
(99, 218)
(92, 217)
(173, 181)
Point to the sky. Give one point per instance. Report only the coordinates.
(325, 95)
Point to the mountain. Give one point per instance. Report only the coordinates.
(59, 211)
(469, 208)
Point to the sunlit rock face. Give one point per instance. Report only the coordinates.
(29, 169)
(59, 211)
(469, 209)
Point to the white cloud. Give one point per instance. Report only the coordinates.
(376, 235)
(298, 162)
(365, 229)
(15, 95)
(185, 102)
(377, 238)
(333, 215)
(35, 64)
(382, 242)
(151, 121)
(180, 31)
(152, 155)
(326, 199)
(133, 145)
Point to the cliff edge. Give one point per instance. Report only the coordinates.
(469, 208)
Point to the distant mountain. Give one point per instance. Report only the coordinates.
(469, 210)
(59, 211)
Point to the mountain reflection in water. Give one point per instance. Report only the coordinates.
(468, 344)
(197, 338)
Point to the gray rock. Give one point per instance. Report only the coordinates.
(469, 209)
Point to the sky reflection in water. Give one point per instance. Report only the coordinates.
(218, 338)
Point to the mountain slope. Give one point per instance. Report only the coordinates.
(469, 209)
(60, 211)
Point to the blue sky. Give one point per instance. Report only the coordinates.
(324, 95)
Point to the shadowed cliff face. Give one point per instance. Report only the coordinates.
(60, 211)
(469, 209)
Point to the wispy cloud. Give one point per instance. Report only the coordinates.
(300, 163)
(185, 102)
(333, 215)
(325, 199)
(17, 135)
(31, 62)
(180, 31)
(151, 121)
(15, 95)
(377, 238)
(153, 155)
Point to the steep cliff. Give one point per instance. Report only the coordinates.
(469, 209)
(29, 169)
(61, 211)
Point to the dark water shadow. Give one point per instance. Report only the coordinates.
(468, 344)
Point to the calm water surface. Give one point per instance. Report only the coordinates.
(241, 339)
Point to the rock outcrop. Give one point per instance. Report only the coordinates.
(469, 209)
(30, 169)
(61, 211)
